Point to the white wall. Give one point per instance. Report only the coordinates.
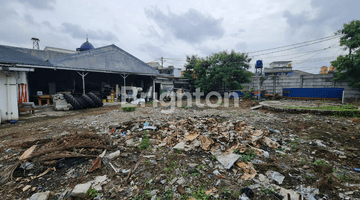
(13, 108)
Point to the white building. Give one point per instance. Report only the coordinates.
(280, 64)
(13, 80)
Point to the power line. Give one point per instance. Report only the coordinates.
(291, 48)
(325, 39)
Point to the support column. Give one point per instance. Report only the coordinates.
(301, 81)
(83, 74)
(153, 78)
(123, 89)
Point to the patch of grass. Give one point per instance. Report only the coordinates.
(294, 143)
(171, 166)
(128, 109)
(186, 107)
(200, 194)
(269, 191)
(168, 194)
(247, 156)
(321, 163)
(92, 193)
(213, 158)
(145, 143)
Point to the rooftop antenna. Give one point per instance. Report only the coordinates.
(35, 43)
(86, 37)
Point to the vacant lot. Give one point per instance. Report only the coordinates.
(220, 153)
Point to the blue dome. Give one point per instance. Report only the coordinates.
(85, 46)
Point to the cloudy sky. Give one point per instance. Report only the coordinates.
(173, 29)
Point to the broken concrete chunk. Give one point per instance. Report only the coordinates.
(40, 196)
(256, 107)
(228, 161)
(270, 143)
(181, 181)
(81, 189)
(276, 176)
(289, 193)
(129, 142)
(180, 146)
(113, 155)
(98, 182)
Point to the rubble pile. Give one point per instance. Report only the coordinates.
(183, 157)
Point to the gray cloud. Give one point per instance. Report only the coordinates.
(238, 33)
(154, 51)
(39, 4)
(241, 46)
(192, 26)
(330, 15)
(76, 31)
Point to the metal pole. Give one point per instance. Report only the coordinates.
(153, 78)
(82, 74)
(124, 90)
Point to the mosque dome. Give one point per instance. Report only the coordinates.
(85, 46)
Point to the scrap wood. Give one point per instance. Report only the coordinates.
(27, 153)
(270, 143)
(59, 156)
(45, 172)
(191, 137)
(206, 142)
(97, 162)
(26, 188)
(128, 176)
(7, 173)
(249, 170)
(69, 146)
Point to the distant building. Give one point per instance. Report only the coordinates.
(167, 71)
(281, 71)
(280, 64)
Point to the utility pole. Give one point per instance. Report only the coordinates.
(162, 63)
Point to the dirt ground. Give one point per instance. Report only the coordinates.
(316, 156)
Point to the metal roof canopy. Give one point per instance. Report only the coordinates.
(11, 56)
(108, 59)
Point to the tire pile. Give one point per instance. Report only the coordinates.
(89, 100)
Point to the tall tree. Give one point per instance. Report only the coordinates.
(219, 70)
(348, 66)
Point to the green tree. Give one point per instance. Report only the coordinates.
(219, 70)
(348, 66)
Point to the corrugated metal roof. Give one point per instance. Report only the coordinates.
(108, 58)
(11, 56)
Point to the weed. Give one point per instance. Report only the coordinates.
(196, 174)
(200, 194)
(200, 167)
(294, 143)
(213, 158)
(168, 194)
(280, 149)
(247, 156)
(128, 109)
(92, 193)
(145, 143)
(269, 191)
(302, 160)
(321, 163)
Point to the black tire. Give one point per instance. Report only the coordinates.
(96, 99)
(88, 100)
(97, 93)
(81, 102)
(71, 100)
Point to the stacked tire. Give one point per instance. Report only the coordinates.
(84, 101)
